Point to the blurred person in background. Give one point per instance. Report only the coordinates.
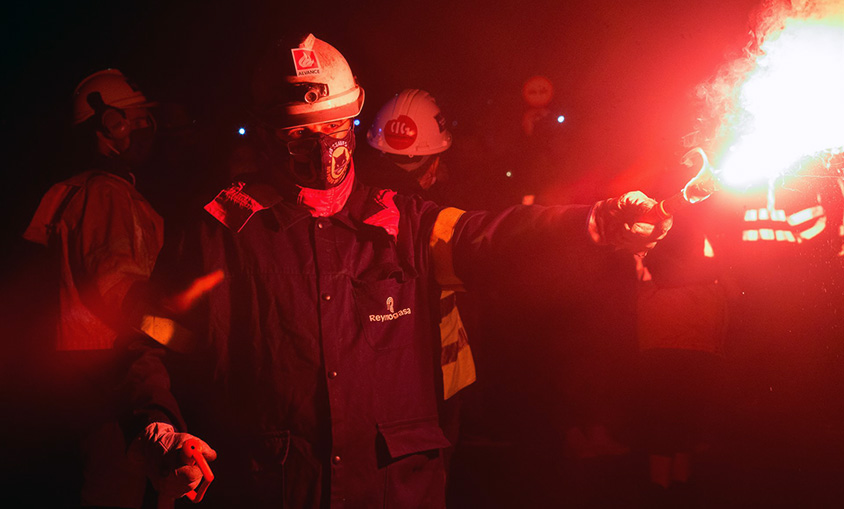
(103, 237)
(683, 312)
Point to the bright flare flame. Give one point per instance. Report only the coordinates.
(791, 105)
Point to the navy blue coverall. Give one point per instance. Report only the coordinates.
(316, 376)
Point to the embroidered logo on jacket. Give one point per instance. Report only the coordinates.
(392, 315)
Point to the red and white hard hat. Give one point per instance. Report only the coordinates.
(308, 83)
(410, 124)
(114, 89)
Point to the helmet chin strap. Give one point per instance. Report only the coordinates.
(426, 175)
(109, 144)
(113, 158)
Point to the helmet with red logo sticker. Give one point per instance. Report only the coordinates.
(305, 82)
(410, 124)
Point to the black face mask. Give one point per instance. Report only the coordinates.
(317, 162)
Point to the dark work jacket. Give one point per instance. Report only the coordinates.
(319, 368)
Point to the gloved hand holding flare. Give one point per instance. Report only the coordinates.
(634, 222)
(630, 222)
(699, 188)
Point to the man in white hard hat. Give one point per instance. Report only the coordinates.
(103, 236)
(320, 346)
(410, 133)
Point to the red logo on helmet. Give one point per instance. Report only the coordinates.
(305, 61)
(400, 133)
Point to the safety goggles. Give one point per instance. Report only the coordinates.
(306, 145)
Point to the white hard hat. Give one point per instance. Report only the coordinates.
(306, 84)
(410, 124)
(114, 90)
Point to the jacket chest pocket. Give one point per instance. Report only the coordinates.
(387, 310)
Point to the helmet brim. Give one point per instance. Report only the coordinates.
(279, 116)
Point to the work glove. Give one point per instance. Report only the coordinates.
(631, 222)
(160, 449)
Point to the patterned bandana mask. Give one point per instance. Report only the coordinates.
(327, 163)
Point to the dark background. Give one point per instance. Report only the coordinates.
(624, 74)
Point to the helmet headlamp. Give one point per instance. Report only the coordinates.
(308, 92)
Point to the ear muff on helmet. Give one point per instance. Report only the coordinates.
(111, 121)
(114, 124)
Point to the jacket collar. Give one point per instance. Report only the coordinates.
(365, 207)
